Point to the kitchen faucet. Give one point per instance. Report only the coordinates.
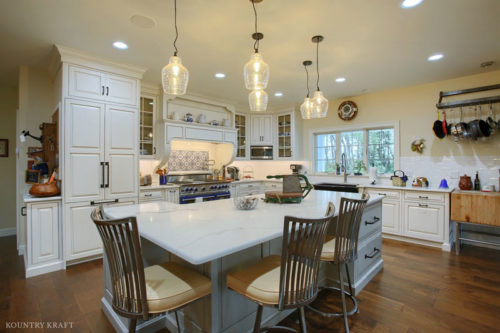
(343, 166)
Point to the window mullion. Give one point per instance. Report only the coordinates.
(365, 148)
(337, 147)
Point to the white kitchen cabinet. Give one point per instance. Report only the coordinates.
(147, 132)
(106, 87)
(391, 212)
(285, 136)
(240, 122)
(151, 195)
(424, 221)
(82, 238)
(120, 152)
(43, 253)
(172, 195)
(101, 151)
(84, 171)
(262, 130)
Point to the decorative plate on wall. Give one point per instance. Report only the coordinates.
(347, 110)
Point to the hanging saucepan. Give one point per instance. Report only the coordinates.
(491, 120)
(453, 130)
(487, 128)
(461, 127)
(479, 128)
(445, 124)
(438, 127)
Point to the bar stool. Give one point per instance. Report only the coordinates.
(342, 249)
(289, 281)
(140, 292)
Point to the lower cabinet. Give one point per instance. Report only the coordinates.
(82, 238)
(390, 217)
(172, 195)
(43, 246)
(255, 187)
(424, 221)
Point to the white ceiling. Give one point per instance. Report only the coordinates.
(376, 45)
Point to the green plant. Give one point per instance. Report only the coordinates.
(359, 167)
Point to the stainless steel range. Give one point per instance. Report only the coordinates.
(195, 187)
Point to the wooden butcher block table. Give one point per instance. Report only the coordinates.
(474, 207)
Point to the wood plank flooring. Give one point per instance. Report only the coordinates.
(421, 289)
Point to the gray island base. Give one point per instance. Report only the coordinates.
(215, 238)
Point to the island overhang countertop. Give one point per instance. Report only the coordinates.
(205, 231)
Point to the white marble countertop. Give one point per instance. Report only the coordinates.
(243, 181)
(205, 231)
(157, 187)
(29, 198)
(409, 188)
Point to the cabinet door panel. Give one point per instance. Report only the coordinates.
(256, 131)
(83, 239)
(121, 152)
(84, 150)
(424, 221)
(85, 83)
(266, 125)
(120, 89)
(44, 232)
(391, 217)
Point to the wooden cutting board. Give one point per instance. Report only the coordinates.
(476, 207)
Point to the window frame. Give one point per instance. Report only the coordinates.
(350, 128)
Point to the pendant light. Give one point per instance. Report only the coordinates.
(174, 76)
(256, 71)
(319, 102)
(306, 107)
(258, 100)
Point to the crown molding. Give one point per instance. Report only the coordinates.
(65, 54)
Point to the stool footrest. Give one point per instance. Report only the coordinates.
(278, 329)
(336, 314)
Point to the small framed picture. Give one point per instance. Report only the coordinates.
(4, 147)
(32, 177)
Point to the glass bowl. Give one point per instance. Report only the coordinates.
(245, 203)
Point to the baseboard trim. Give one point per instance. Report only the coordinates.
(441, 245)
(7, 232)
(44, 269)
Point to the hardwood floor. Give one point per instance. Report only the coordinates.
(421, 289)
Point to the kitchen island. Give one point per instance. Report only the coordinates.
(216, 238)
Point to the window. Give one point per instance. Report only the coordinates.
(362, 147)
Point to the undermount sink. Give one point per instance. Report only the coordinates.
(337, 187)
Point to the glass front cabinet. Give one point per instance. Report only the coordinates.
(147, 147)
(285, 131)
(241, 126)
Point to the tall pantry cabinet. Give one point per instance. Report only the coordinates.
(99, 157)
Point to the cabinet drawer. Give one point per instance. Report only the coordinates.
(371, 222)
(389, 194)
(424, 196)
(368, 256)
(251, 186)
(151, 195)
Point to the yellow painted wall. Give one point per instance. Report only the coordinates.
(8, 98)
(414, 108)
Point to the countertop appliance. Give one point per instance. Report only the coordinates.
(261, 152)
(195, 187)
(296, 168)
(233, 172)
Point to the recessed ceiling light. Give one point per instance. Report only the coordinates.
(278, 94)
(120, 45)
(410, 3)
(435, 57)
(340, 79)
(220, 75)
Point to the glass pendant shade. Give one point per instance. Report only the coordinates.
(174, 77)
(256, 73)
(258, 100)
(306, 109)
(319, 105)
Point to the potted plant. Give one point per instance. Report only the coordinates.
(359, 168)
(337, 167)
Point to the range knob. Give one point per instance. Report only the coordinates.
(196, 189)
(203, 189)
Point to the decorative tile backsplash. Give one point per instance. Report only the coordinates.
(187, 160)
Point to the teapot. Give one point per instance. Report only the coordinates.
(188, 117)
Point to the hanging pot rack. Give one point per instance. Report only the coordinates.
(467, 102)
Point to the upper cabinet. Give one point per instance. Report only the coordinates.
(262, 130)
(97, 85)
(147, 148)
(241, 125)
(285, 129)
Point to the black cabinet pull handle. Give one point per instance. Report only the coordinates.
(154, 150)
(107, 91)
(102, 91)
(93, 203)
(23, 211)
(382, 194)
(423, 197)
(423, 205)
(373, 254)
(102, 169)
(375, 220)
(107, 167)
(148, 195)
